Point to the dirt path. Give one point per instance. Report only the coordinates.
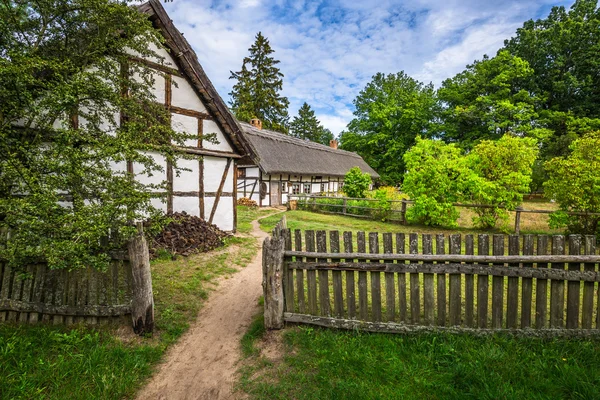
(202, 364)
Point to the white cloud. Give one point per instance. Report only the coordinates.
(329, 49)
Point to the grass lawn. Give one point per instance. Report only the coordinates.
(110, 362)
(330, 364)
(247, 214)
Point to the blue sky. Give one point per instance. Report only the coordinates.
(329, 50)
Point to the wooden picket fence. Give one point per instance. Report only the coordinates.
(528, 284)
(39, 294)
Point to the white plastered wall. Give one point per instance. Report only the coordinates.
(213, 173)
(211, 127)
(186, 124)
(184, 96)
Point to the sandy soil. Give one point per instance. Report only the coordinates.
(202, 364)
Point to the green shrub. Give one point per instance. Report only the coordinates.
(356, 183)
(575, 184)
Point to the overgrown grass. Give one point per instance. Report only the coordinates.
(109, 362)
(330, 364)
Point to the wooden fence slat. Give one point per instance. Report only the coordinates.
(93, 292)
(390, 288)
(5, 289)
(311, 276)
(587, 314)
(557, 288)
(400, 249)
(27, 288)
(455, 284)
(36, 294)
(350, 286)
(338, 295)
(375, 280)
(415, 301)
(512, 301)
(497, 286)
(299, 274)
(526, 284)
(324, 301)
(362, 279)
(17, 285)
(440, 244)
(469, 285)
(289, 274)
(483, 248)
(573, 288)
(428, 290)
(541, 287)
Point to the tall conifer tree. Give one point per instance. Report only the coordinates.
(307, 126)
(256, 94)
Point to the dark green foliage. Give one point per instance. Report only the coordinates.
(256, 93)
(59, 59)
(355, 365)
(575, 184)
(390, 112)
(356, 183)
(307, 126)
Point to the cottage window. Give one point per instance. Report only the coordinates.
(284, 187)
(323, 188)
(241, 173)
(296, 188)
(307, 188)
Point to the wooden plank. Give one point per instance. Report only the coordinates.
(288, 291)
(512, 301)
(311, 276)
(469, 285)
(93, 292)
(497, 286)
(526, 284)
(415, 284)
(219, 191)
(27, 288)
(541, 287)
(338, 295)
(400, 249)
(36, 295)
(455, 284)
(362, 280)
(390, 288)
(557, 288)
(573, 287)
(17, 285)
(324, 302)
(587, 306)
(428, 291)
(201, 187)
(441, 283)
(375, 280)
(5, 290)
(299, 274)
(483, 248)
(350, 290)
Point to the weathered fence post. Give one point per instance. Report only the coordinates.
(345, 205)
(142, 304)
(518, 220)
(273, 249)
(403, 213)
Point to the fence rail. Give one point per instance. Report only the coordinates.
(305, 201)
(396, 282)
(40, 294)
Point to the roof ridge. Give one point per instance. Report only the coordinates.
(273, 135)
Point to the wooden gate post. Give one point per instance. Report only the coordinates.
(142, 304)
(518, 220)
(273, 249)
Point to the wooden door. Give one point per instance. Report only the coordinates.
(275, 194)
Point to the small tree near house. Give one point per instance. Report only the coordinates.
(356, 183)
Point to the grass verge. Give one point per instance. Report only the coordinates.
(330, 364)
(109, 362)
(248, 214)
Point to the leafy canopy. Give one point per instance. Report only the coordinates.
(256, 93)
(391, 111)
(575, 184)
(356, 183)
(307, 126)
(59, 193)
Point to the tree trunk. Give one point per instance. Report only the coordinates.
(142, 305)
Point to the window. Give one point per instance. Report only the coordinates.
(296, 188)
(241, 173)
(283, 187)
(323, 189)
(306, 188)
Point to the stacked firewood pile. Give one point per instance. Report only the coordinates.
(244, 201)
(187, 234)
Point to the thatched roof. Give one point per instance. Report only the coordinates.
(276, 153)
(186, 59)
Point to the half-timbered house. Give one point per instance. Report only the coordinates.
(208, 188)
(279, 165)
